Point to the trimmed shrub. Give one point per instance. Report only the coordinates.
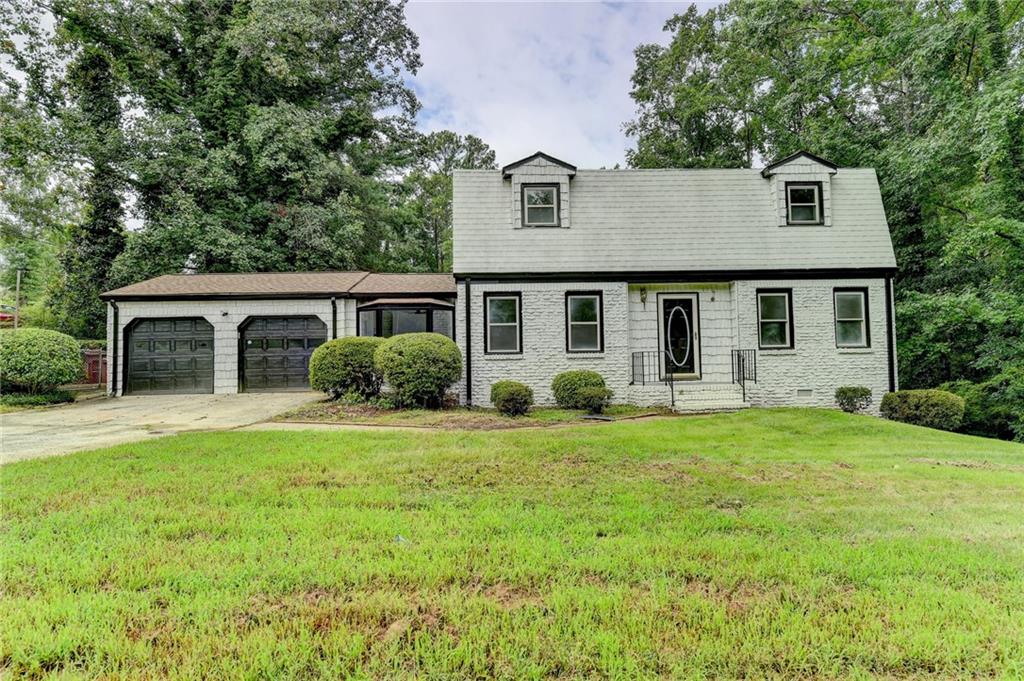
(36, 399)
(419, 368)
(511, 398)
(853, 398)
(346, 366)
(567, 386)
(929, 408)
(594, 399)
(994, 407)
(38, 360)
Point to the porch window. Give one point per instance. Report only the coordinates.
(540, 205)
(803, 203)
(775, 318)
(503, 332)
(851, 308)
(386, 318)
(584, 324)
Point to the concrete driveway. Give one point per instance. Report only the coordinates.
(103, 422)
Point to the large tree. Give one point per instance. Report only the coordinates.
(928, 93)
(93, 243)
(39, 180)
(264, 135)
(426, 240)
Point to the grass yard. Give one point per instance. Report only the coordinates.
(765, 543)
(457, 418)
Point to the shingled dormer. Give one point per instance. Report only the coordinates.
(801, 189)
(539, 188)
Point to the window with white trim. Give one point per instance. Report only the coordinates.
(583, 319)
(803, 203)
(851, 308)
(774, 319)
(504, 321)
(540, 205)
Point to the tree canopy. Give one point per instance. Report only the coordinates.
(930, 94)
(236, 135)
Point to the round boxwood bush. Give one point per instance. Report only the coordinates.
(511, 398)
(853, 398)
(419, 368)
(38, 360)
(929, 408)
(346, 366)
(567, 386)
(594, 399)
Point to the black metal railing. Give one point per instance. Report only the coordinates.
(648, 368)
(744, 369)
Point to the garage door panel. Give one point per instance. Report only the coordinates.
(172, 355)
(277, 350)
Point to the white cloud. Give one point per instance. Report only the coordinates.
(529, 76)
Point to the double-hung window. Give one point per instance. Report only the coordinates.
(803, 203)
(503, 332)
(774, 318)
(540, 205)
(584, 330)
(851, 306)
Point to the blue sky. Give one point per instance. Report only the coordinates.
(525, 76)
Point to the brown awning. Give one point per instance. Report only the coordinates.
(406, 302)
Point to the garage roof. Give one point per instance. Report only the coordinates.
(283, 285)
(376, 284)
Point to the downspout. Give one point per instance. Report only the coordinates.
(469, 347)
(334, 317)
(112, 365)
(890, 340)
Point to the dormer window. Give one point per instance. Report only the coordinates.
(803, 203)
(540, 205)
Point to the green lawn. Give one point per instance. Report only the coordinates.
(763, 543)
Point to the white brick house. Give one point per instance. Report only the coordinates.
(698, 288)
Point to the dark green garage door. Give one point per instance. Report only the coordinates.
(276, 350)
(170, 356)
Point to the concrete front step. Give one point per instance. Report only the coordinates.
(708, 408)
(708, 397)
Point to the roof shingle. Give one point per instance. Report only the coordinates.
(375, 284)
(285, 284)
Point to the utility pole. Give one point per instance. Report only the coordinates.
(17, 298)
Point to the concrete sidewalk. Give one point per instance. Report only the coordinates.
(103, 422)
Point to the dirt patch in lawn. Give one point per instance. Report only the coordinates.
(983, 465)
(458, 418)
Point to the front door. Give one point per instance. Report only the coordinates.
(680, 335)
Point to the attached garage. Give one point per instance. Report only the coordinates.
(254, 332)
(169, 355)
(275, 352)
